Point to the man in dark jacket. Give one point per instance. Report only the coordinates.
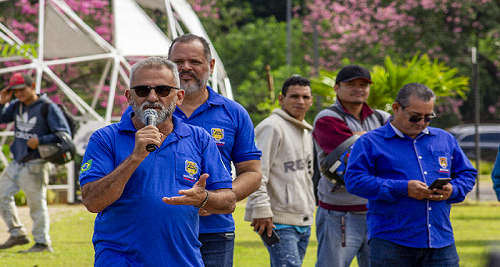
(28, 171)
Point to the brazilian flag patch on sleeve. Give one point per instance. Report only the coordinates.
(86, 166)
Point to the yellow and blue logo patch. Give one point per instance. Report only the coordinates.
(218, 135)
(192, 169)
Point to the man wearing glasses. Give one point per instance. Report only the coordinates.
(393, 166)
(148, 199)
(341, 217)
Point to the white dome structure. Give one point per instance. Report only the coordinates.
(63, 38)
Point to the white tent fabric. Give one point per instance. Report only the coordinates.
(135, 33)
(61, 35)
(185, 14)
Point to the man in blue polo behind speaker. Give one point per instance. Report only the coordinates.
(230, 126)
(28, 171)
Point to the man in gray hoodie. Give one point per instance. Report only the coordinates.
(284, 204)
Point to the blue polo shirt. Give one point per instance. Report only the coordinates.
(139, 229)
(382, 162)
(232, 130)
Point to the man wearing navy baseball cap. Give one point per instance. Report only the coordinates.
(28, 171)
(341, 216)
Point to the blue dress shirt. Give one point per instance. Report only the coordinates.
(382, 162)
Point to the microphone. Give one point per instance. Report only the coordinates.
(150, 116)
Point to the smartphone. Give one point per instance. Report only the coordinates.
(439, 182)
(270, 240)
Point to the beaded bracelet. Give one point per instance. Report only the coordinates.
(204, 201)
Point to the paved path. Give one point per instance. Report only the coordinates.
(486, 192)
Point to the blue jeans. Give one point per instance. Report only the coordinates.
(217, 249)
(331, 251)
(291, 249)
(31, 177)
(385, 253)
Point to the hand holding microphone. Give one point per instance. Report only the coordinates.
(150, 116)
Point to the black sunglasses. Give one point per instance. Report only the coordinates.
(161, 90)
(414, 118)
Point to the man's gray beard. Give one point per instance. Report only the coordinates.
(200, 84)
(163, 115)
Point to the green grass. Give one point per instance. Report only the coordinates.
(71, 240)
(476, 231)
(475, 226)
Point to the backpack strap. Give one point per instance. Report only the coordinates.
(341, 114)
(45, 109)
(338, 111)
(20, 107)
(379, 117)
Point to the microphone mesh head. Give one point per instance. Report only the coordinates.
(150, 116)
(150, 112)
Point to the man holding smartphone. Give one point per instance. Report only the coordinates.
(283, 207)
(393, 166)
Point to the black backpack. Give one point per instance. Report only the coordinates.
(72, 122)
(338, 177)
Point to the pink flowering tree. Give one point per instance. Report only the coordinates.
(365, 31)
(219, 17)
(369, 30)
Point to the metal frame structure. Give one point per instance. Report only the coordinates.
(57, 20)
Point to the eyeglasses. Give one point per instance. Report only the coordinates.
(427, 118)
(161, 90)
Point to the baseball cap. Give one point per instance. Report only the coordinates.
(351, 72)
(19, 81)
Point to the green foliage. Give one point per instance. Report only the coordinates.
(485, 167)
(20, 198)
(248, 50)
(222, 15)
(267, 107)
(440, 78)
(254, 93)
(387, 81)
(25, 50)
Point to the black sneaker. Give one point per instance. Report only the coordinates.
(38, 248)
(14, 241)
